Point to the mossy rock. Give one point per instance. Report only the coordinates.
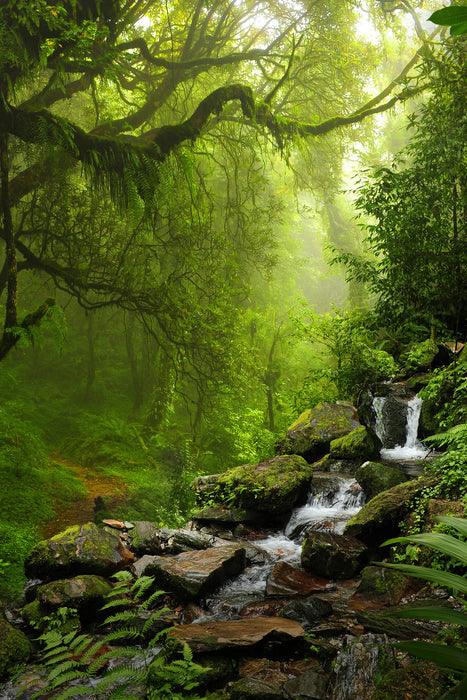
(374, 478)
(80, 549)
(15, 647)
(420, 356)
(271, 487)
(417, 681)
(361, 444)
(383, 587)
(332, 555)
(78, 592)
(40, 618)
(311, 434)
(379, 518)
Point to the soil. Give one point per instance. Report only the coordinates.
(112, 489)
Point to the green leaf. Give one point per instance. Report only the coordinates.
(458, 524)
(432, 612)
(446, 544)
(447, 657)
(441, 578)
(448, 16)
(458, 29)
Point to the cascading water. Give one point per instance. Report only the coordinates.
(412, 448)
(333, 499)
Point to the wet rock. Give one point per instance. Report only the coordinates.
(145, 538)
(285, 579)
(375, 478)
(311, 434)
(380, 587)
(194, 574)
(307, 611)
(382, 622)
(392, 400)
(77, 592)
(80, 549)
(237, 634)
(332, 555)
(379, 519)
(15, 647)
(263, 608)
(360, 444)
(361, 662)
(309, 686)
(188, 540)
(140, 564)
(271, 487)
(227, 516)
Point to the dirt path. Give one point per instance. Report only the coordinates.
(112, 489)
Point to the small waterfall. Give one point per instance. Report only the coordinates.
(412, 447)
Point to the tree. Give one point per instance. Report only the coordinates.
(418, 210)
(164, 66)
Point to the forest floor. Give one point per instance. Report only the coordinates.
(81, 509)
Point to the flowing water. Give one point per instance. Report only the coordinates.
(412, 448)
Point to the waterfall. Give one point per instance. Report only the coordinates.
(412, 447)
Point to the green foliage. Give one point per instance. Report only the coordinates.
(414, 211)
(447, 657)
(453, 17)
(351, 343)
(82, 659)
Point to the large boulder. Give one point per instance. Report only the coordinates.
(360, 444)
(311, 434)
(193, 575)
(332, 555)
(390, 404)
(15, 647)
(205, 637)
(80, 549)
(374, 478)
(379, 519)
(271, 487)
(145, 538)
(380, 587)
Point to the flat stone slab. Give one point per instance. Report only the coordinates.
(287, 580)
(231, 634)
(192, 575)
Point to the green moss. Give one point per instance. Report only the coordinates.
(15, 647)
(375, 478)
(271, 486)
(359, 444)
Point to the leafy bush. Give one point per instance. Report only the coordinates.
(444, 656)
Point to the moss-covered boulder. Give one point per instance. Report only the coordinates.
(77, 592)
(419, 357)
(80, 549)
(379, 518)
(15, 647)
(380, 587)
(311, 434)
(332, 555)
(271, 487)
(361, 444)
(374, 478)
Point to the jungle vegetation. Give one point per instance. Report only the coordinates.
(175, 183)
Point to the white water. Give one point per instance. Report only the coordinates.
(328, 510)
(413, 448)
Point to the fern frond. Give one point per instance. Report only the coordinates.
(63, 668)
(70, 692)
(91, 651)
(80, 642)
(120, 675)
(187, 652)
(127, 633)
(119, 603)
(152, 599)
(67, 678)
(122, 616)
(58, 658)
(141, 585)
